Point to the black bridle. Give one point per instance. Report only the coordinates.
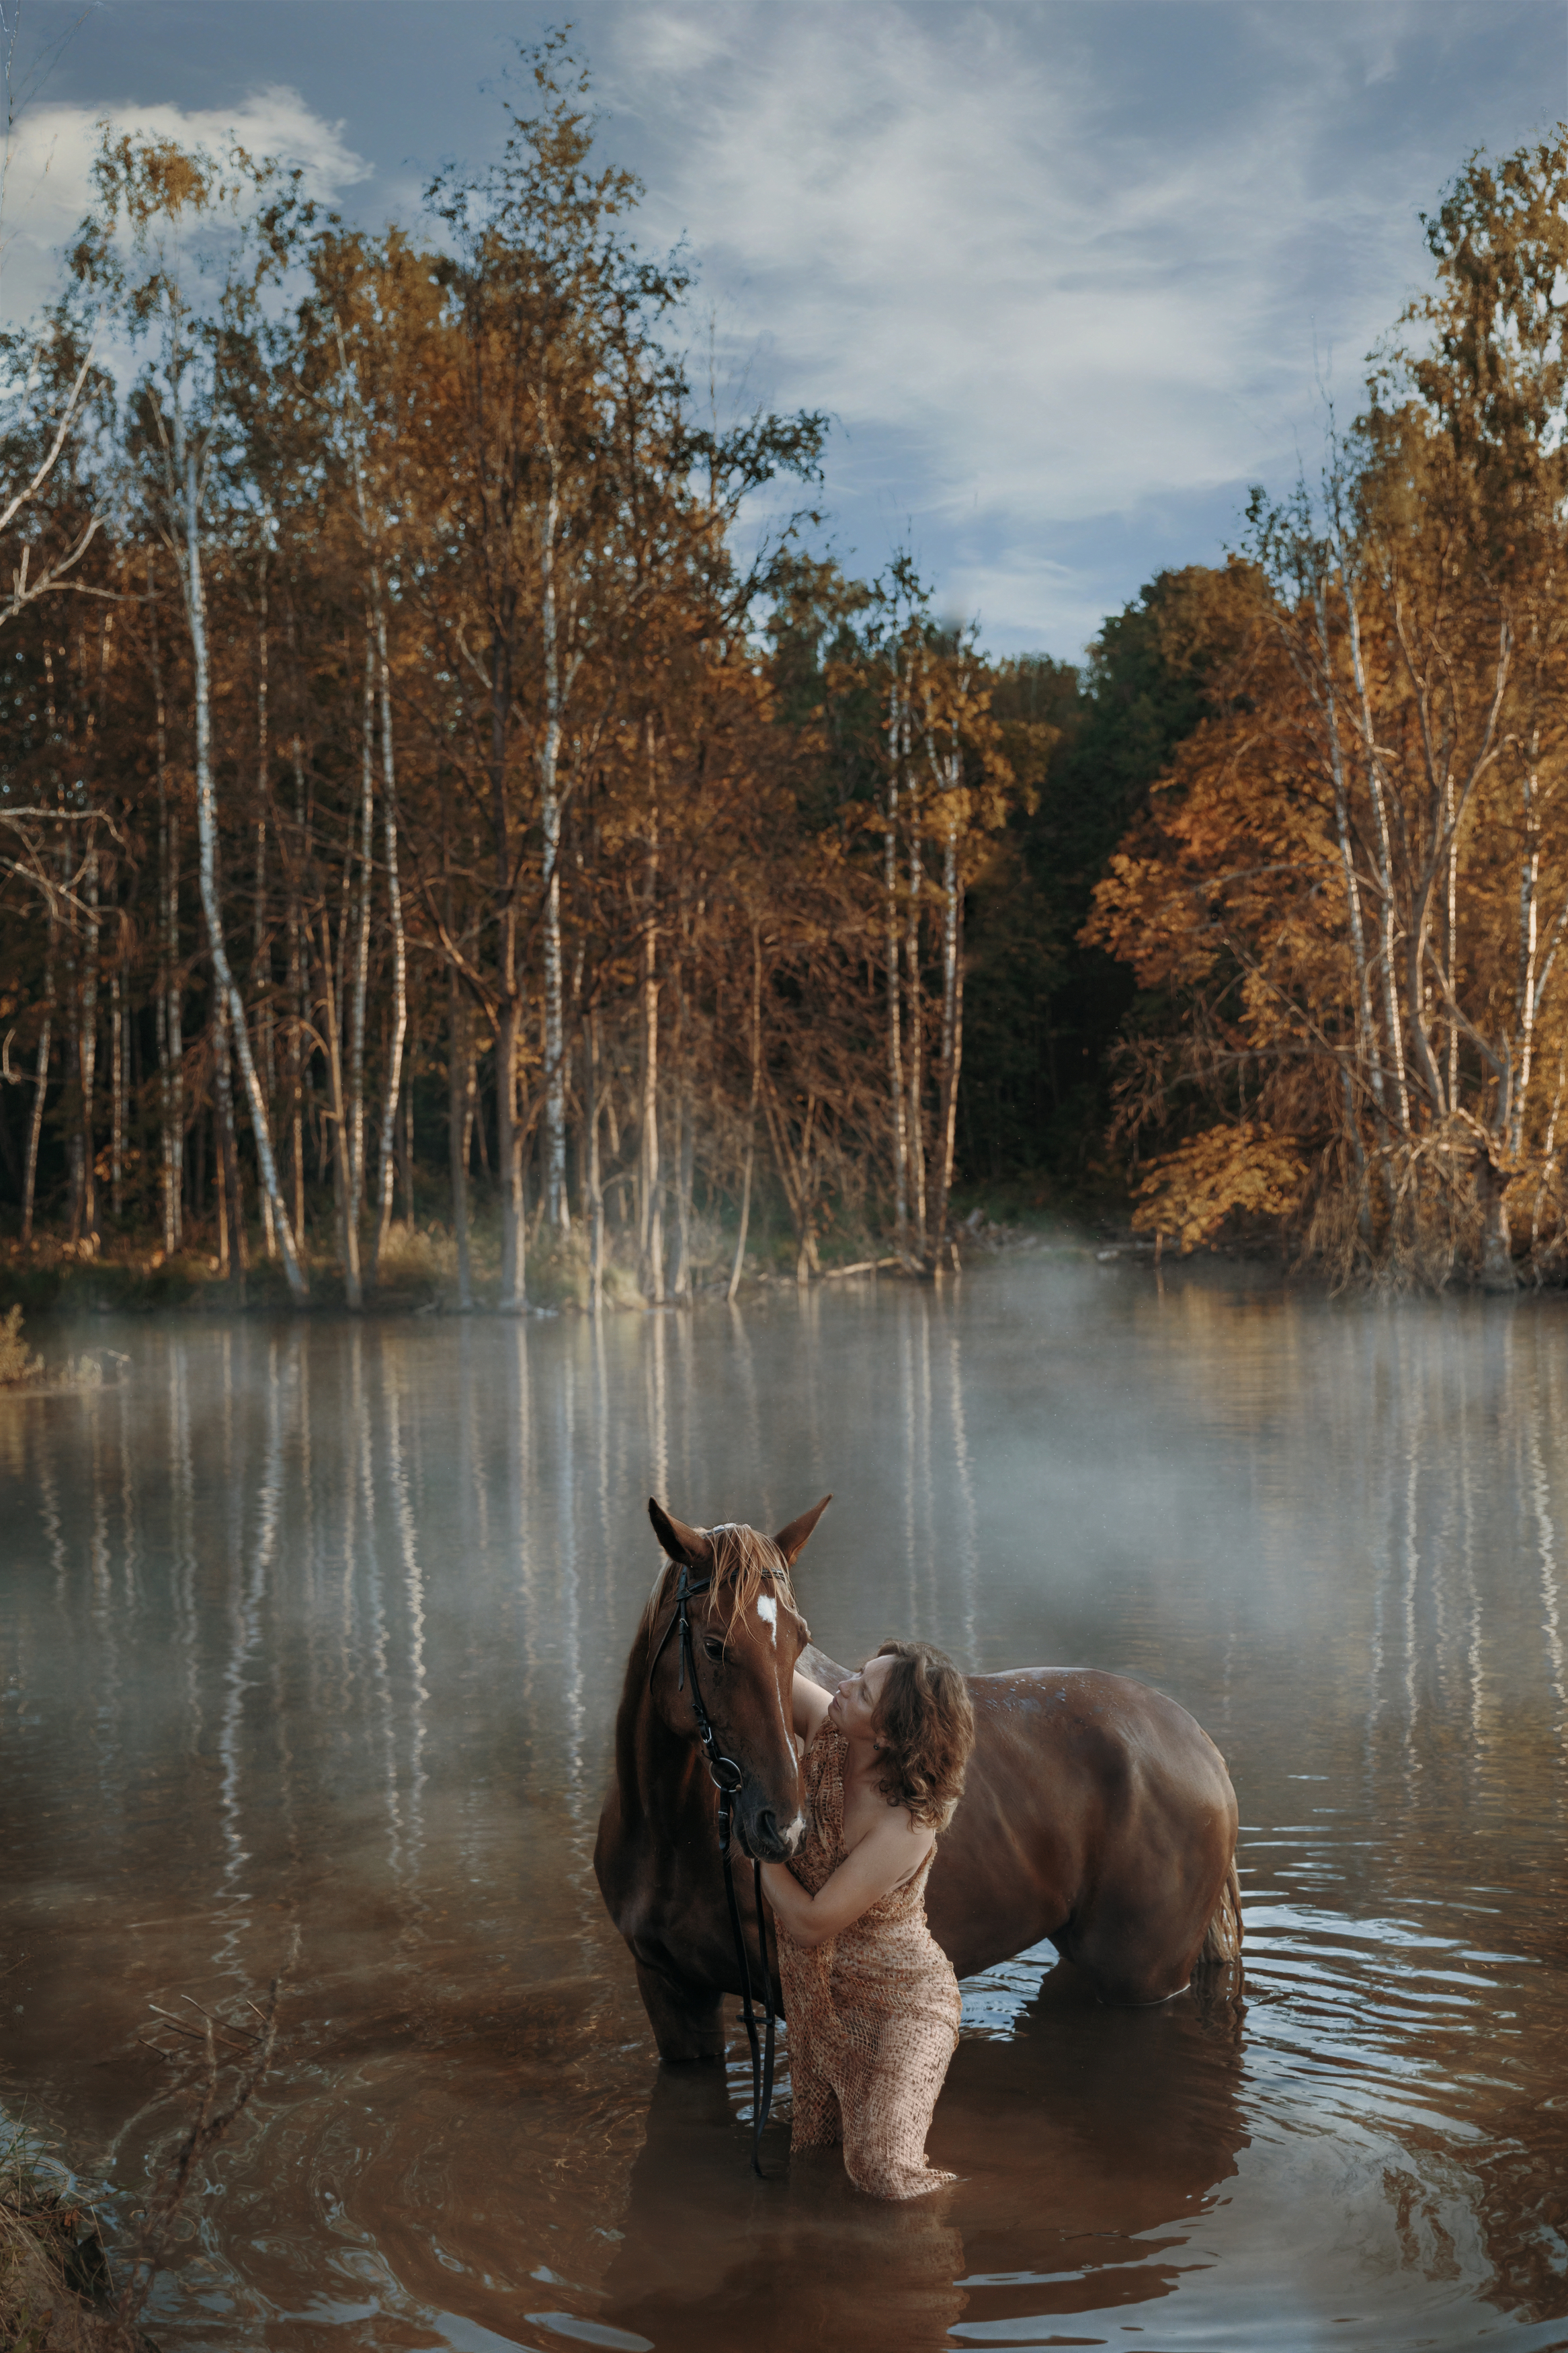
(728, 1778)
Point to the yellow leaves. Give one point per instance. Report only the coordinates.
(157, 179)
(1235, 865)
(157, 175)
(1026, 745)
(1190, 1192)
(1154, 920)
(169, 180)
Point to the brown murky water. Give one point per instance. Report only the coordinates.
(325, 1624)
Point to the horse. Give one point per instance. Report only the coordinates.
(1096, 1811)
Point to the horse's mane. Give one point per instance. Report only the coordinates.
(746, 1565)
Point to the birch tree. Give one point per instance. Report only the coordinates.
(168, 225)
(1355, 881)
(551, 314)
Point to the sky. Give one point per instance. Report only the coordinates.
(1067, 277)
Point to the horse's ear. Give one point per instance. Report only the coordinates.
(679, 1542)
(792, 1541)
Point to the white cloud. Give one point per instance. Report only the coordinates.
(48, 182)
(980, 254)
(1034, 285)
(1062, 274)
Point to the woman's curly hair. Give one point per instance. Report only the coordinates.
(924, 1725)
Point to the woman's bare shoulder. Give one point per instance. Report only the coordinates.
(892, 1827)
(886, 1853)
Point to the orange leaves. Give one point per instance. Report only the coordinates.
(1236, 860)
(1245, 1168)
(153, 178)
(1351, 885)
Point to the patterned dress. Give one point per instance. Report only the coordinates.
(873, 2013)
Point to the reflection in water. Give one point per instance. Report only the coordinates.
(698, 2229)
(325, 1623)
(1134, 2118)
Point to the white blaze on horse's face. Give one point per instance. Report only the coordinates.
(768, 1611)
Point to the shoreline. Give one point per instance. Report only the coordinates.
(57, 2288)
(63, 1291)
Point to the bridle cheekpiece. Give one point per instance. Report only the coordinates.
(727, 1779)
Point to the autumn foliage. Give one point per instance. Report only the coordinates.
(416, 748)
(433, 760)
(1346, 903)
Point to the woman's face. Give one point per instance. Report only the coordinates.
(852, 1707)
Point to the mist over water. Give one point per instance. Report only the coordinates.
(327, 1622)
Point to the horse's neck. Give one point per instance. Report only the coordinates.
(656, 1769)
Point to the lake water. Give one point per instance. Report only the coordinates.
(324, 1625)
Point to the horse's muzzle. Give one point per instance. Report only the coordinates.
(764, 1836)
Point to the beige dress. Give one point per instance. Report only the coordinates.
(873, 2013)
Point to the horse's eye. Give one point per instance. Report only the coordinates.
(714, 1648)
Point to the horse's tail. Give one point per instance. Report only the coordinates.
(1222, 1941)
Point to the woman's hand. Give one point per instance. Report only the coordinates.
(880, 1862)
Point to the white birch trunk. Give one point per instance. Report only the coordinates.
(174, 1028)
(399, 942)
(1451, 948)
(651, 1213)
(557, 1207)
(410, 1064)
(511, 1131)
(680, 1282)
(652, 1235)
(595, 1174)
(40, 1087)
(917, 1150)
(1369, 1043)
(260, 977)
(230, 1192)
(393, 1075)
(342, 1188)
(207, 822)
(300, 1052)
(1388, 913)
(117, 1088)
(362, 941)
(952, 1019)
(1529, 947)
(460, 1097)
(84, 1220)
(756, 1045)
(169, 1026)
(895, 735)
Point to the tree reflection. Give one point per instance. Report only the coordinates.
(711, 2258)
(1088, 2146)
(329, 1621)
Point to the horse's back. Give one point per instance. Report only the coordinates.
(1097, 1813)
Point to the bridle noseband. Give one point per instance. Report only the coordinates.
(727, 1779)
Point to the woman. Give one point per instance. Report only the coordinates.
(870, 1997)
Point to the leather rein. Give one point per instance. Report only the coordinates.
(727, 1779)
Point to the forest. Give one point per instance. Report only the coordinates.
(440, 833)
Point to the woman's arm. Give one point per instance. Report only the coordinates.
(811, 1703)
(880, 1862)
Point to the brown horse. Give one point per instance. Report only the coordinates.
(1097, 1812)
